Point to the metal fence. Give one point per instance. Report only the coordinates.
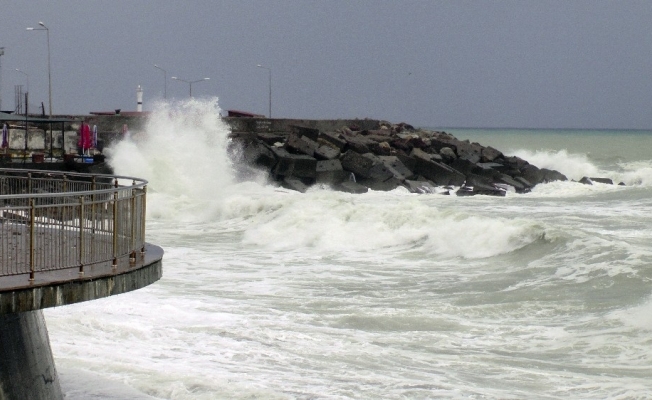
(58, 220)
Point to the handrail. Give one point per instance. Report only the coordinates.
(51, 220)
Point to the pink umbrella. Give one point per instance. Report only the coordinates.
(84, 137)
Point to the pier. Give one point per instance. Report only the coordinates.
(64, 238)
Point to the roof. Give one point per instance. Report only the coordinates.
(18, 118)
(243, 114)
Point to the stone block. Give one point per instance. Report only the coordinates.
(447, 154)
(326, 152)
(374, 184)
(359, 144)
(394, 164)
(297, 165)
(532, 174)
(357, 163)
(469, 151)
(330, 172)
(421, 187)
(294, 184)
(332, 139)
(489, 154)
(270, 138)
(409, 162)
(351, 187)
(550, 175)
(301, 144)
(310, 133)
(518, 186)
(440, 174)
(258, 153)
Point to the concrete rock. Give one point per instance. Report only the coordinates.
(332, 139)
(351, 187)
(294, 184)
(325, 152)
(330, 172)
(353, 161)
(296, 165)
(301, 145)
(310, 133)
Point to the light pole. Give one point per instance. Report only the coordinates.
(190, 82)
(26, 76)
(269, 70)
(47, 31)
(165, 80)
(2, 52)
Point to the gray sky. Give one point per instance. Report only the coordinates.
(538, 64)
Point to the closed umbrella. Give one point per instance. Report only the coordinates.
(5, 137)
(84, 142)
(94, 136)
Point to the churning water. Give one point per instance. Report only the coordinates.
(272, 294)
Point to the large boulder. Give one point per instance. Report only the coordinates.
(294, 165)
(301, 145)
(330, 172)
(355, 162)
(439, 173)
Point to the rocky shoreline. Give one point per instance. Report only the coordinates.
(355, 160)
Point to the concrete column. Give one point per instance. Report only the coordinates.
(26, 364)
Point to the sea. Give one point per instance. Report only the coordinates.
(273, 294)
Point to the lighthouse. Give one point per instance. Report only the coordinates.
(139, 99)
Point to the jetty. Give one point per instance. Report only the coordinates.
(65, 237)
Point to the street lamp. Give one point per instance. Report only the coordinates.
(26, 76)
(47, 31)
(269, 70)
(165, 80)
(26, 93)
(190, 82)
(2, 52)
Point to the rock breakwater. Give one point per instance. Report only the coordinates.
(356, 160)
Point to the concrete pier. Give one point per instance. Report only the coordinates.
(27, 369)
(64, 239)
(26, 365)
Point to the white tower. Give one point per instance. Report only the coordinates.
(139, 99)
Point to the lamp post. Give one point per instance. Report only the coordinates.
(47, 31)
(26, 93)
(26, 76)
(269, 70)
(165, 80)
(2, 52)
(190, 82)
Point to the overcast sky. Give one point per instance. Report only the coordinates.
(538, 63)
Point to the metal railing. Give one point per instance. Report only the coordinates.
(59, 220)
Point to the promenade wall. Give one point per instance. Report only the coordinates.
(63, 137)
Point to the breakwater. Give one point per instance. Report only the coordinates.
(352, 155)
(356, 155)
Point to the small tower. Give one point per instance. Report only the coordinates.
(139, 99)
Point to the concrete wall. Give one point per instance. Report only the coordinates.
(110, 128)
(27, 368)
(259, 125)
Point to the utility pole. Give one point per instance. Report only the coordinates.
(2, 52)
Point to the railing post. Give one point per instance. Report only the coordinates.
(115, 225)
(81, 235)
(132, 246)
(93, 217)
(31, 239)
(144, 214)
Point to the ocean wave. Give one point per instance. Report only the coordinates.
(333, 222)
